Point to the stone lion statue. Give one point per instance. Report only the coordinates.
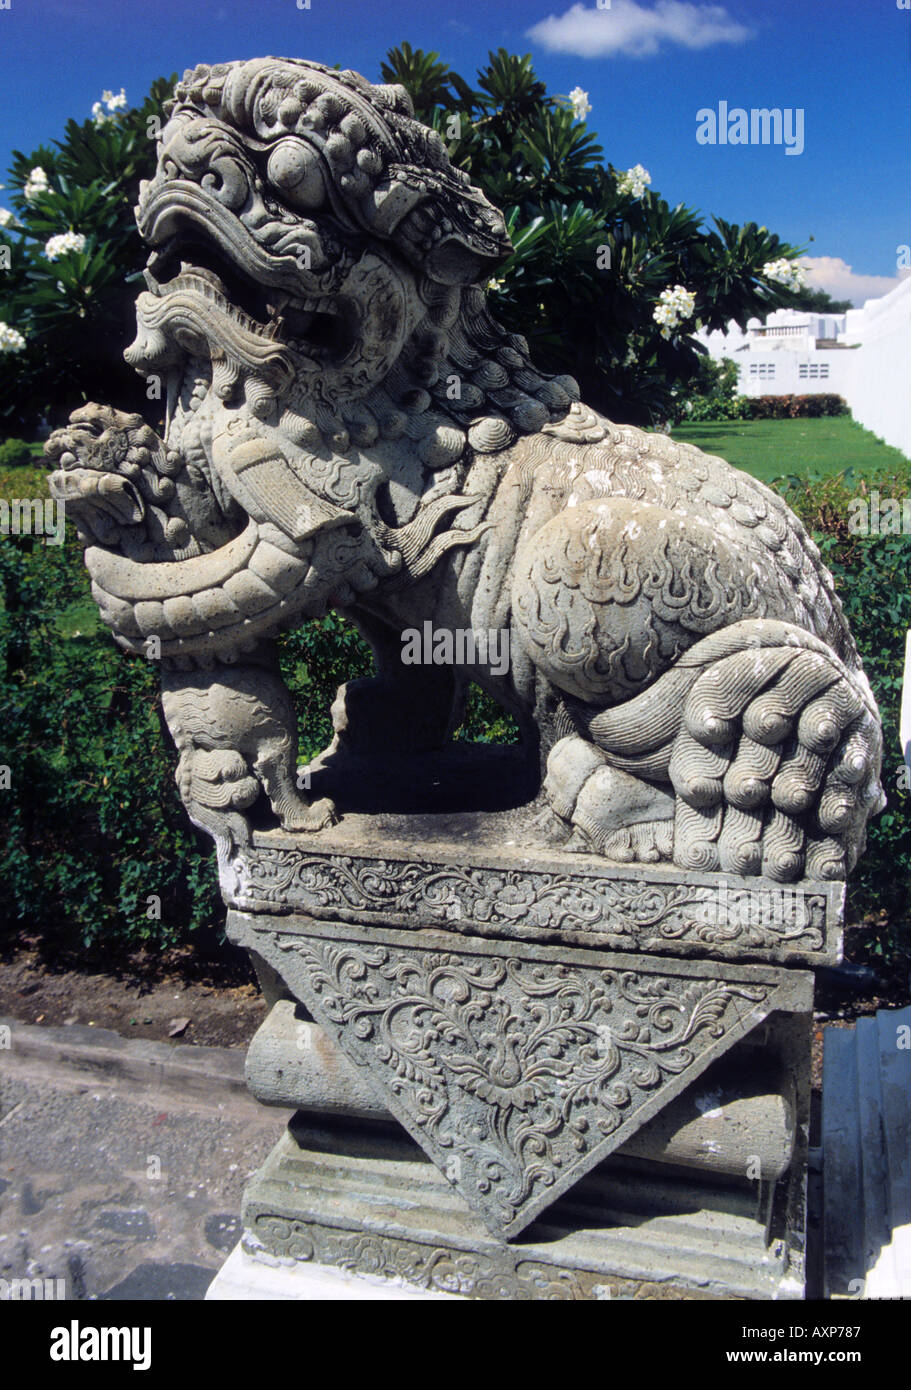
(349, 427)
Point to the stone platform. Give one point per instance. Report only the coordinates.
(368, 1201)
(522, 1072)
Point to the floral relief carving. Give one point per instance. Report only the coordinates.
(477, 1274)
(625, 912)
(514, 1074)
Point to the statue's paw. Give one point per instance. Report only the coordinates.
(612, 813)
(301, 817)
(649, 842)
(548, 828)
(98, 461)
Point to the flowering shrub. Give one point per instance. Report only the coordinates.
(792, 407)
(63, 244)
(74, 255)
(733, 407)
(11, 340)
(634, 182)
(596, 248)
(35, 184)
(674, 305)
(791, 274)
(580, 103)
(112, 102)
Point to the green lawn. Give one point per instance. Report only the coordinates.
(771, 448)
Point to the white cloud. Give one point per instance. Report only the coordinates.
(836, 277)
(635, 31)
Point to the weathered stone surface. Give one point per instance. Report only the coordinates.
(624, 1231)
(517, 1068)
(527, 980)
(740, 1114)
(358, 873)
(659, 623)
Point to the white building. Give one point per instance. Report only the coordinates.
(863, 355)
(793, 352)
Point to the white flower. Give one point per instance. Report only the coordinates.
(634, 181)
(7, 219)
(35, 183)
(580, 103)
(10, 339)
(784, 272)
(63, 244)
(493, 285)
(112, 102)
(673, 306)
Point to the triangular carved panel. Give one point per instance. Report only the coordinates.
(517, 1069)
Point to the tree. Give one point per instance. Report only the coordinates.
(74, 259)
(820, 302)
(606, 280)
(597, 255)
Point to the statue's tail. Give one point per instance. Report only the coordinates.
(771, 744)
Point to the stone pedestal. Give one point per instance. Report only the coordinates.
(526, 1073)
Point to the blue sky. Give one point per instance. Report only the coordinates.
(647, 65)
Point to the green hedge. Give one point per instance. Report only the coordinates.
(872, 577)
(792, 407)
(15, 452)
(720, 407)
(91, 823)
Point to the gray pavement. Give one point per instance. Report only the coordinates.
(122, 1163)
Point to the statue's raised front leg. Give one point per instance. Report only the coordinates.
(236, 732)
(174, 600)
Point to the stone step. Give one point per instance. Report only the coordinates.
(372, 1203)
(866, 1156)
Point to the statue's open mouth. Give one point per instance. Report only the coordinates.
(91, 492)
(324, 328)
(85, 489)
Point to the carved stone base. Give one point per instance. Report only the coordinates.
(545, 1030)
(516, 1067)
(363, 1198)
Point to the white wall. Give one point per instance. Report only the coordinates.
(778, 372)
(879, 392)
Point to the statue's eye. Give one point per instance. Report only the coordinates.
(294, 169)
